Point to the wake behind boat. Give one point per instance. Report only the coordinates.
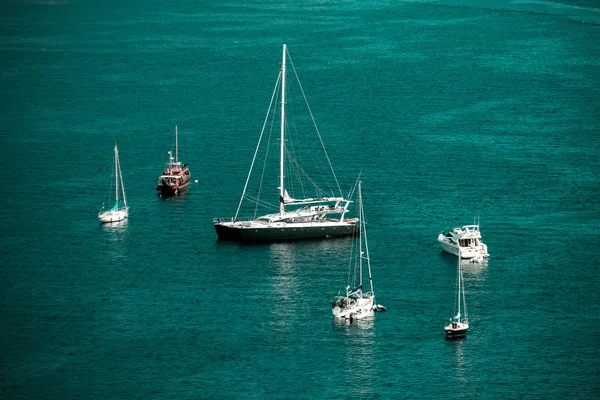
(316, 213)
(120, 210)
(176, 177)
(356, 304)
(464, 242)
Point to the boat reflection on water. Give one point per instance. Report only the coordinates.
(455, 338)
(116, 234)
(358, 325)
(115, 226)
(358, 357)
(285, 286)
(456, 357)
(474, 272)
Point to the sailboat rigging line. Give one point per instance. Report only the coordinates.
(262, 176)
(122, 187)
(353, 189)
(295, 156)
(363, 232)
(257, 147)
(315, 124)
(462, 282)
(111, 186)
(262, 203)
(319, 192)
(457, 298)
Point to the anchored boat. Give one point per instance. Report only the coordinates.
(120, 210)
(464, 242)
(459, 324)
(309, 211)
(356, 304)
(176, 177)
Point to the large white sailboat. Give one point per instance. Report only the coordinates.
(356, 304)
(120, 210)
(316, 213)
(459, 324)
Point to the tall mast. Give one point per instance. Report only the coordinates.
(459, 285)
(361, 233)
(116, 173)
(176, 146)
(282, 148)
(122, 186)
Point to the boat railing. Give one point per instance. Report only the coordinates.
(230, 219)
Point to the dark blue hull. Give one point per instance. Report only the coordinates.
(245, 234)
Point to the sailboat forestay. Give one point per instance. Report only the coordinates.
(356, 304)
(319, 216)
(120, 210)
(459, 324)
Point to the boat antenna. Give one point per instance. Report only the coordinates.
(176, 147)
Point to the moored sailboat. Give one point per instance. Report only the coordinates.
(176, 177)
(356, 304)
(459, 324)
(120, 210)
(319, 216)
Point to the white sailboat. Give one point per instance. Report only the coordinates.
(318, 214)
(459, 324)
(120, 210)
(356, 304)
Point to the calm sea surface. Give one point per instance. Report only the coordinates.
(450, 109)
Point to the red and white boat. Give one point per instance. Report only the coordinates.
(176, 177)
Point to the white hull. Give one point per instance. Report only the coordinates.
(456, 328)
(464, 242)
(465, 252)
(363, 308)
(113, 216)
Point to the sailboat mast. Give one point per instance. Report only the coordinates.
(122, 186)
(462, 285)
(116, 173)
(282, 148)
(459, 286)
(176, 146)
(361, 234)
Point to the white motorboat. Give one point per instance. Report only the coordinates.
(464, 242)
(120, 210)
(357, 304)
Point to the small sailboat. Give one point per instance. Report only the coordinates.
(357, 304)
(120, 210)
(459, 324)
(175, 177)
(306, 209)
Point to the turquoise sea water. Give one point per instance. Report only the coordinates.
(450, 109)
